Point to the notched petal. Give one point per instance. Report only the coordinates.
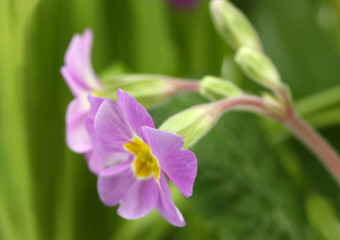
(139, 200)
(114, 182)
(77, 70)
(110, 126)
(134, 113)
(166, 206)
(180, 165)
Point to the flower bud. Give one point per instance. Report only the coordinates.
(258, 67)
(192, 124)
(215, 88)
(149, 90)
(233, 26)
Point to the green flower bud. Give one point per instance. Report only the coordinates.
(192, 124)
(258, 67)
(215, 88)
(149, 90)
(233, 26)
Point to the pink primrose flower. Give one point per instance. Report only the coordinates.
(124, 132)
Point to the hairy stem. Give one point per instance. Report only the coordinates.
(249, 103)
(316, 144)
(293, 122)
(186, 85)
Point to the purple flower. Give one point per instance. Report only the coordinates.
(82, 80)
(126, 131)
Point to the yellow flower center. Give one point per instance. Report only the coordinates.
(145, 164)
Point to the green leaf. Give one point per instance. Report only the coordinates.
(322, 215)
(241, 189)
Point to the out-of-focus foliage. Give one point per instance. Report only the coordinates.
(250, 190)
(254, 181)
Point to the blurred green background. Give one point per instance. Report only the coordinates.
(254, 180)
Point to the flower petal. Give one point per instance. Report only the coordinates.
(111, 127)
(166, 206)
(134, 113)
(114, 182)
(99, 160)
(78, 71)
(73, 81)
(77, 137)
(139, 199)
(180, 165)
(95, 103)
(86, 45)
(95, 161)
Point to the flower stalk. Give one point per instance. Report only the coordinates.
(307, 135)
(292, 121)
(250, 103)
(238, 32)
(185, 86)
(149, 89)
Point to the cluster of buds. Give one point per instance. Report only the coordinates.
(238, 33)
